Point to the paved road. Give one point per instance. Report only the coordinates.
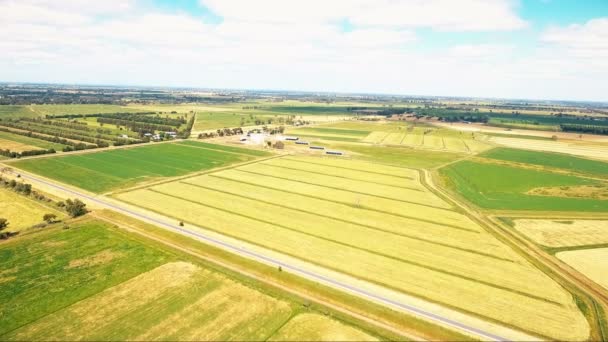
(443, 321)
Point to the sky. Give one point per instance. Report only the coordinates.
(526, 49)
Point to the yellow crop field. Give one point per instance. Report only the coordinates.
(433, 253)
(22, 212)
(411, 195)
(434, 142)
(361, 166)
(593, 263)
(375, 137)
(393, 139)
(437, 140)
(304, 165)
(176, 301)
(598, 151)
(15, 146)
(312, 327)
(562, 233)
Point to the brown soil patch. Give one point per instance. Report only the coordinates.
(100, 258)
(599, 192)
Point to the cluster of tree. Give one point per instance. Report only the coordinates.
(136, 126)
(19, 187)
(74, 207)
(79, 116)
(589, 129)
(75, 125)
(97, 139)
(185, 133)
(70, 145)
(151, 119)
(229, 131)
(13, 154)
(467, 118)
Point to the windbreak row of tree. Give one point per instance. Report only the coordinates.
(13, 154)
(82, 116)
(72, 125)
(70, 145)
(589, 129)
(138, 127)
(97, 140)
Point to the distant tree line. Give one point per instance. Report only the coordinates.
(589, 129)
(13, 154)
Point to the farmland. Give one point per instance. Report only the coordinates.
(582, 149)
(593, 263)
(435, 139)
(96, 282)
(393, 231)
(22, 212)
(20, 143)
(112, 169)
(553, 160)
(311, 327)
(487, 186)
(564, 232)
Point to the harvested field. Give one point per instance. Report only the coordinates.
(23, 212)
(442, 140)
(597, 151)
(495, 186)
(392, 238)
(14, 146)
(108, 170)
(176, 301)
(593, 263)
(563, 233)
(311, 327)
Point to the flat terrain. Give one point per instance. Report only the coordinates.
(553, 160)
(393, 231)
(19, 143)
(311, 327)
(593, 263)
(96, 282)
(583, 149)
(493, 186)
(112, 169)
(563, 233)
(49, 109)
(22, 212)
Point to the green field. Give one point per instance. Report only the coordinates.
(494, 186)
(554, 160)
(96, 282)
(30, 141)
(108, 170)
(392, 230)
(214, 120)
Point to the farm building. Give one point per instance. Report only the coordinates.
(291, 138)
(317, 147)
(302, 142)
(334, 153)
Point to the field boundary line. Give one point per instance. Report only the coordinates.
(405, 261)
(290, 158)
(350, 222)
(341, 189)
(358, 180)
(351, 205)
(190, 175)
(542, 261)
(244, 272)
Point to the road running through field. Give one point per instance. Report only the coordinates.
(429, 316)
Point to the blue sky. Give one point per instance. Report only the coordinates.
(545, 49)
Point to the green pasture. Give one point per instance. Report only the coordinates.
(112, 169)
(494, 186)
(555, 160)
(37, 280)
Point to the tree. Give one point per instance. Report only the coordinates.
(49, 218)
(75, 207)
(3, 224)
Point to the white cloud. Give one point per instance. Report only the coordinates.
(299, 45)
(442, 15)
